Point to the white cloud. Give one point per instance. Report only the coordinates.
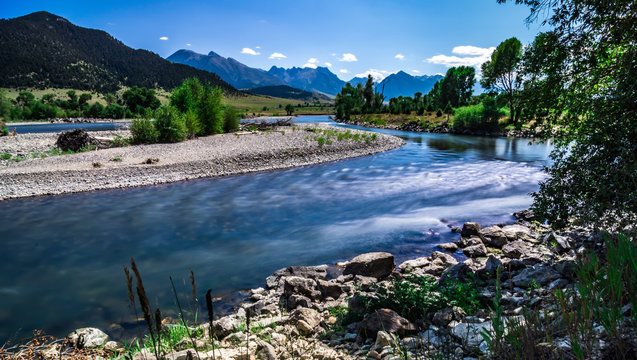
(249, 51)
(416, 71)
(277, 56)
(163, 38)
(328, 64)
(313, 61)
(343, 71)
(310, 65)
(378, 75)
(333, 54)
(473, 56)
(258, 47)
(472, 50)
(188, 44)
(348, 57)
(400, 56)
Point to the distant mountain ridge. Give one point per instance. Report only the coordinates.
(288, 92)
(320, 80)
(403, 84)
(45, 50)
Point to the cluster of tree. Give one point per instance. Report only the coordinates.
(358, 100)
(134, 102)
(579, 78)
(195, 109)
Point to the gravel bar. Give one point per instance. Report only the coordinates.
(211, 156)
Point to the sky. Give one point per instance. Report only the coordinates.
(350, 37)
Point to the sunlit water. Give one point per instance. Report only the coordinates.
(61, 257)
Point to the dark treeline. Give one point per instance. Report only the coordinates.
(134, 102)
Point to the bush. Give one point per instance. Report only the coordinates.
(483, 116)
(210, 110)
(230, 120)
(95, 110)
(191, 121)
(143, 131)
(439, 112)
(169, 124)
(113, 111)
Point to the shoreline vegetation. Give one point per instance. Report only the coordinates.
(28, 169)
(521, 290)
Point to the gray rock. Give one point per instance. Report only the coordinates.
(470, 229)
(306, 320)
(300, 286)
(524, 215)
(490, 267)
(385, 320)
(469, 334)
(383, 339)
(89, 338)
(266, 351)
(493, 236)
(294, 301)
(330, 289)
(474, 251)
(562, 243)
(412, 264)
(225, 326)
(464, 242)
(450, 247)
(376, 264)
(515, 249)
(308, 272)
(445, 258)
(458, 272)
(514, 232)
(541, 275)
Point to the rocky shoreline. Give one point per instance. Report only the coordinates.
(218, 155)
(415, 126)
(299, 314)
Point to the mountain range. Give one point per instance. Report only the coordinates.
(320, 80)
(45, 50)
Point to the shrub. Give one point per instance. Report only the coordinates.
(230, 120)
(113, 111)
(439, 112)
(169, 124)
(95, 110)
(192, 123)
(143, 131)
(483, 116)
(210, 110)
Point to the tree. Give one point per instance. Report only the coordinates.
(137, 99)
(585, 68)
(210, 110)
(289, 109)
(457, 86)
(25, 99)
(84, 99)
(501, 73)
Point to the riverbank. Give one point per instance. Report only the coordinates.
(369, 308)
(218, 155)
(437, 126)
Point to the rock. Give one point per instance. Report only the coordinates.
(73, 140)
(524, 215)
(330, 289)
(540, 275)
(308, 272)
(225, 326)
(514, 232)
(442, 317)
(294, 285)
(458, 272)
(376, 264)
(446, 258)
(385, 320)
(470, 229)
(493, 236)
(561, 243)
(464, 242)
(294, 301)
(383, 339)
(474, 251)
(266, 351)
(89, 338)
(469, 334)
(490, 267)
(566, 268)
(514, 250)
(450, 247)
(412, 264)
(306, 320)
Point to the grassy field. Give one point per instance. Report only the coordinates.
(428, 117)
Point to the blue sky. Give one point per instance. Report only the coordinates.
(350, 36)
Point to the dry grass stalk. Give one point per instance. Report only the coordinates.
(181, 316)
(210, 320)
(145, 305)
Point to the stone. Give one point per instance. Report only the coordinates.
(375, 264)
(450, 247)
(446, 258)
(385, 320)
(524, 215)
(561, 243)
(307, 321)
(458, 272)
(474, 251)
(383, 339)
(470, 229)
(308, 272)
(89, 338)
(442, 317)
(490, 267)
(493, 236)
(540, 275)
(74, 140)
(514, 232)
(295, 285)
(412, 264)
(295, 301)
(464, 242)
(112, 346)
(266, 351)
(469, 334)
(225, 326)
(515, 249)
(330, 289)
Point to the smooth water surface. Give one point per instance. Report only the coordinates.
(61, 257)
(37, 128)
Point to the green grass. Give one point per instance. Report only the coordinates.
(255, 105)
(42, 155)
(327, 136)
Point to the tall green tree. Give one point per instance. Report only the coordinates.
(137, 99)
(502, 72)
(585, 66)
(457, 86)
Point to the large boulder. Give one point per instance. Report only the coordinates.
(490, 267)
(308, 321)
(88, 338)
(308, 272)
(540, 275)
(515, 250)
(385, 320)
(294, 285)
(375, 264)
(470, 229)
(474, 251)
(493, 236)
(524, 215)
(225, 326)
(514, 232)
(458, 272)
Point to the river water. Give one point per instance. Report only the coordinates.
(61, 257)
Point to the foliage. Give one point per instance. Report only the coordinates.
(415, 296)
(289, 109)
(210, 110)
(192, 123)
(501, 73)
(143, 131)
(169, 124)
(579, 77)
(230, 120)
(358, 100)
(483, 116)
(187, 96)
(137, 99)
(114, 111)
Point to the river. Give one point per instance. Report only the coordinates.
(61, 257)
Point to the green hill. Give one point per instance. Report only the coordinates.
(288, 92)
